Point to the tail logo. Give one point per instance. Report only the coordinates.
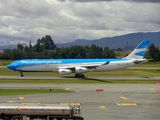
(140, 50)
(144, 44)
(142, 53)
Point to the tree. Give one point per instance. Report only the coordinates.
(50, 43)
(38, 48)
(20, 46)
(76, 52)
(52, 54)
(7, 54)
(154, 52)
(95, 52)
(86, 49)
(26, 48)
(62, 53)
(107, 53)
(47, 43)
(30, 45)
(112, 54)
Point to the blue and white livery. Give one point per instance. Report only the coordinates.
(79, 66)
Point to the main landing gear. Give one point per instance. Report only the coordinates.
(80, 75)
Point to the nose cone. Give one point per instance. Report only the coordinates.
(11, 66)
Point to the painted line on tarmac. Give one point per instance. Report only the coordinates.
(102, 107)
(126, 104)
(11, 101)
(124, 98)
(152, 89)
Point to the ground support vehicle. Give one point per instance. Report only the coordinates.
(40, 112)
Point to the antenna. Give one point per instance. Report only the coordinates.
(127, 46)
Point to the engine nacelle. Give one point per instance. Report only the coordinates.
(81, 69)
(64, 71)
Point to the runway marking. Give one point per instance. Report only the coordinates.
(152, 89)
(124, 98)
(71, 104)
(102, 107)
(10, 101)
(126, 104)
(21, 98)
(67, 88)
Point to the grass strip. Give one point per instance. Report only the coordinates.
(31, 91)
(123, 72)
(84, 81)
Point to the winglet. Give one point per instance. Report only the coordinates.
(140, 50)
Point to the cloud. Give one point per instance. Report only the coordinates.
(68, 20)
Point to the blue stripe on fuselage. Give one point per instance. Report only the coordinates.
(35, 62)
(65, 61)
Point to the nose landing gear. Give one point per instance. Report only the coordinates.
(21, 74)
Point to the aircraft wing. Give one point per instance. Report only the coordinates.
(86, 65)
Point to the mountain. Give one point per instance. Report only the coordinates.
(128, 41)
(2, 47)
(125, 42)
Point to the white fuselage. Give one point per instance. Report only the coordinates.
(115, 65)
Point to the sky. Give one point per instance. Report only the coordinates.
(68, 20)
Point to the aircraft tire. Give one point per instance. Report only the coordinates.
(76, 75)
(82, 76)
(22, 74)
(79, 75)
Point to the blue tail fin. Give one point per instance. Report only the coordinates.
(140, 50)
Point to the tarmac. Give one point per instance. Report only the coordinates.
(98, 101)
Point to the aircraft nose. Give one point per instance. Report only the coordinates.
(10, 66)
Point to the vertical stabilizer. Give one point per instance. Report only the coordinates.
(140, 50)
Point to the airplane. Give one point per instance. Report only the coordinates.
(80, 66)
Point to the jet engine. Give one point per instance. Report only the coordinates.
(64, 71)
(81, 69)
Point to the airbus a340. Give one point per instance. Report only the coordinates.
(80, 66)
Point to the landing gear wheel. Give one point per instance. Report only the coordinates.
(79, 75)
(76, 75)
(22, 74)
